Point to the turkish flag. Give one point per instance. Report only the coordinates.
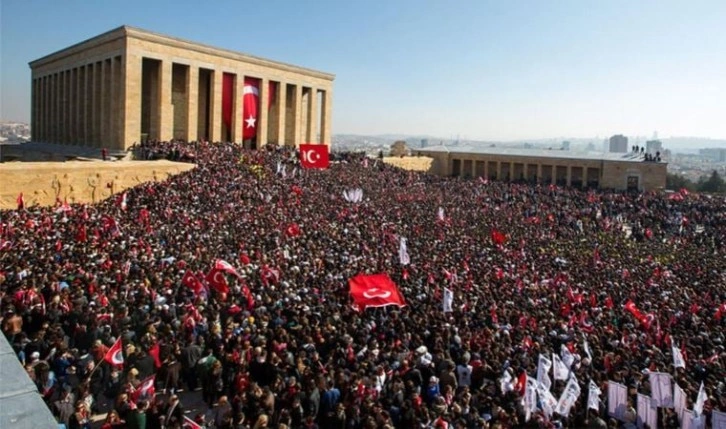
(190, 424)
(314, 156)
(114, 355)
(250, 107)
(192, 282)
(217, 281)
(376, 290)
(293, 230)
(146, 389)
(222, 265)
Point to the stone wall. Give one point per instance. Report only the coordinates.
(77, 181)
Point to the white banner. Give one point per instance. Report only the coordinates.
(448, 300)
(567, 357)
(543, 369)
(647, 413)
(661, 389)
(718, 419)
(617, 400)
(440, 214)
(561, 372)
(679, 401)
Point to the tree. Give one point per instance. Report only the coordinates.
(399, 148)
(677, 182)
(713, 184)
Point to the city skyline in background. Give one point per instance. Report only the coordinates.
(490, 71)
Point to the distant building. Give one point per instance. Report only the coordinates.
(565, 168)
(590, 147)
(653, 146)
(424, 142)
(713, 154)
(565, 145)
(618, 144)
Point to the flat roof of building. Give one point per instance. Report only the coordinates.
(537, 153)
(129, 31)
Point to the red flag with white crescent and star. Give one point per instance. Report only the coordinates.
(314, 156)
(114, 355)
(376, 290)
(222, 265)
(145, 390)
(216, 280)
(192, 282)
(250, 107)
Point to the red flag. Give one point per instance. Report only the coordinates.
(114, 355)
(376, 290)
(217, 281)
(145, 390)
(244, 259)
(498, 237)
(293, 230)
(154, 353)
(249, 297)
(269, 274)
(521, 383)
(192, 282)
(250, 106)
(225, 266)
(190, 424)
(21, 201)
(314, 156)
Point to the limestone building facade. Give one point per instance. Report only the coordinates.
(620, 171)
(128, 84)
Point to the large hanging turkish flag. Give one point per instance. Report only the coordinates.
(250, 107)
(376, 290)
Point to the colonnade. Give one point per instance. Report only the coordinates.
(554, 172)
(79, 105)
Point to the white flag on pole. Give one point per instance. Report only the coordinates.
(403, 252)
(568, 398)
(448, 300)
(547, 399)
(440, 214)
(530, 397)
(567, 358)
(560, 369)
(543, 369)
(661, 389)
(593, 396)
(678, 360)
(647, 413)
(586, 347)
(679, 400)
(617, 400)
(700, 400)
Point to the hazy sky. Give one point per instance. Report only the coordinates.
(489, 70)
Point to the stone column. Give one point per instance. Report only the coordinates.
(312, 129)
(326, 136)
(131, 83)
(282, 110)
(166, 109)
(262, 115)
(96, 105)
(238, 122)
(86, 103)
(67, 107)
(569, 175)
(71, 105)
(297, 109)
(215, 99)
(58, 107)
(192, 103)
(61, 107)
(103, 101)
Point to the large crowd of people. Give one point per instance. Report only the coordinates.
(617, 279)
